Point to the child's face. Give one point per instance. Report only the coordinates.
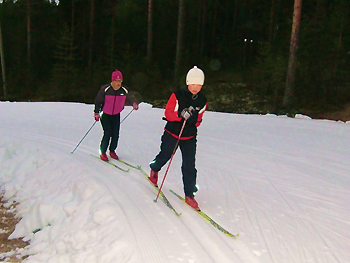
(194, 88)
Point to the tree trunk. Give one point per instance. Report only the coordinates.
(198, 38)
(149, 32)
(214, 30)
(343, 17)
(272, 20)
(92, 23)
(112, 41)
(202, 40)
(203, 12)
(72, 27)
(29, 27)
(290, 81)
(179, 40)
(234, 22)
(3, 65)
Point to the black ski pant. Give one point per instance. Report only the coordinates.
(111, 126)
(188, 168)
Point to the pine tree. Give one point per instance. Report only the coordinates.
(64, 69)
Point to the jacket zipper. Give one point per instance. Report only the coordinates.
(115, 97)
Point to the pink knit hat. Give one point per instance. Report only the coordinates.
(117, 75)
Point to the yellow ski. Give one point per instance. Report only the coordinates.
(206, 217)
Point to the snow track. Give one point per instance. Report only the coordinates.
(282, 183)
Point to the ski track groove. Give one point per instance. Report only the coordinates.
(199, 239)
(227, 192)
(257, 222)
(274, 186)
(150, 251)
(248, 213)
(204, 249)
(264, 238)
(310, 165)
(297, 160)
(300, 219)
(40, 138)
(241, 246)
(300, 249)
(146, 188)
(311, 248)
(216, 232)
(155, 256)
(225, 185)
(345, 237)
(322, 238)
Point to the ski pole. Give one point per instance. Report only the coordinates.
(93, 126)
(127, 115)
(177, 143)
(83, 137)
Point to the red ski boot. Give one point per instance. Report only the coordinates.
(153, 178)
(113, 155)
(192, 202)
(104, 157)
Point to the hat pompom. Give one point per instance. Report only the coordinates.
(117, 75)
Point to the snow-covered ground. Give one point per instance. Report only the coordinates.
(282, 183)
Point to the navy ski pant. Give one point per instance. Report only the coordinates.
(188, 168)
(111, 126)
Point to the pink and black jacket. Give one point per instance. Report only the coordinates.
(112, 101)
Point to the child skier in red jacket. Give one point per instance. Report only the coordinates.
(185, 104)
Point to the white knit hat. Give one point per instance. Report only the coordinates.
(195, 76)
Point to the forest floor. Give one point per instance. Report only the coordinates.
(10, 250)
(342, 115)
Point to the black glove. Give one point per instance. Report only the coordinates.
(187, 113)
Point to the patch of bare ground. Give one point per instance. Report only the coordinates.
(10, 249)
(340, 115)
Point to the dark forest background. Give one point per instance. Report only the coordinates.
(66, 51)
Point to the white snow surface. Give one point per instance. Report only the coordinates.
(283, 184)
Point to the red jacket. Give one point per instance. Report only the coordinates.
(178, 101)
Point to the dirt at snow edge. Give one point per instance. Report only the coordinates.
(11, 250)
